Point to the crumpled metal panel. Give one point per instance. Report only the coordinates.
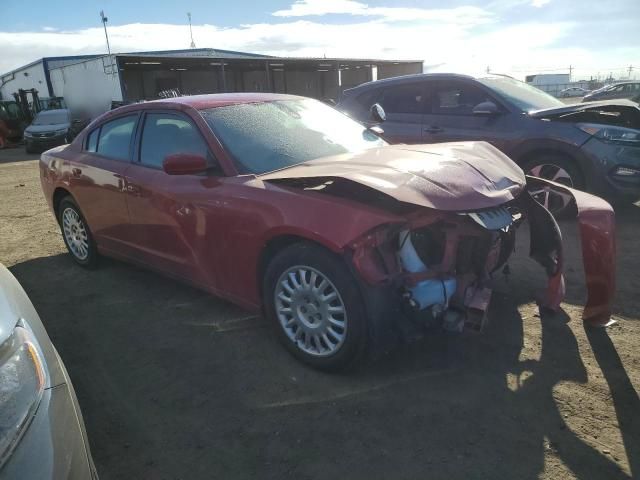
(596, 221)
(458, 177)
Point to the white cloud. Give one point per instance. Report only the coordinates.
(462, 39)
(303, 8)
(539, 3)
(457, 15)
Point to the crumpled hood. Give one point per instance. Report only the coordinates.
(461, 176)
(606, 105)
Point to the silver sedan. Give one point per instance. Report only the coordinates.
(42, 434)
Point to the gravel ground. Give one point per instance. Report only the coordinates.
(177, 384)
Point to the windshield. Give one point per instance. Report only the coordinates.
(523, 96)
(51, 118)
(268, 136)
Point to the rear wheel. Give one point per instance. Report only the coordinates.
(558, 169)
(76, 234)
(313, 301)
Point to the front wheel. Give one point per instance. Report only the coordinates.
(313, 301)
(76, 234)
(557, 169)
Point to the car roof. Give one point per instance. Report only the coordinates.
(197, 102)
(214, 100)
(421, 76)
(410, 78)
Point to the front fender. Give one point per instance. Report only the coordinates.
(596, 221)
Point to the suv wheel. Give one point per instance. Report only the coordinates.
(557, 169)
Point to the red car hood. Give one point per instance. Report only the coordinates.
(453, 176)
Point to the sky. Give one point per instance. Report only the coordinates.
(515, 37)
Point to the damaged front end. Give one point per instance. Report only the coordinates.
(438, 265)
(457, 207)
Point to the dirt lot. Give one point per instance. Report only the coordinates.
(176, 384)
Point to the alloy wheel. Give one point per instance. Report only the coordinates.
(75, 233)
(552, 200)
(311, 311)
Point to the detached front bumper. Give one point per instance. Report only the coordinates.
(596, 220)
(460, 274)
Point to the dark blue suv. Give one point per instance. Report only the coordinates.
(589, 146)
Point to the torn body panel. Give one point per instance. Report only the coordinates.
(438, 265)
(456, 251)
(455, 224)
(596, 221)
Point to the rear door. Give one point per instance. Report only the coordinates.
(97, 182)
(449, 114)
(404, 105)
(169, 230)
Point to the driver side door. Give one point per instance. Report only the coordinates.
(166, 221)
(449, 115)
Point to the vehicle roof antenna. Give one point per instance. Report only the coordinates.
(193, 44)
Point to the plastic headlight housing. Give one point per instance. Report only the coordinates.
(27, 134)
(22, 382)
(622, 135)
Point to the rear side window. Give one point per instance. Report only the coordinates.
(166, 134)
(403, 99)
(92, 141)
(115, 137)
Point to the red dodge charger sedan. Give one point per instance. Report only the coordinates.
(285, 205)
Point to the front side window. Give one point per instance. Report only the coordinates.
(115, 137)
(166, 134)
(267, 136)
(456, 98)
(403, 99)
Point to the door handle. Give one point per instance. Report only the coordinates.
(433, 129)
(76, 172)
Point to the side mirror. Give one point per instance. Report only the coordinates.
(377, 130)
(184, 164)
(377, 113)
(486, 108)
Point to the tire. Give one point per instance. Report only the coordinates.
(77, 236)
(560, 169)
(308, 330)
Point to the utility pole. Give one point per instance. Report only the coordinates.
(193, 44)
(104, 24)
(570, 72)
(630, 69)
(488, 69)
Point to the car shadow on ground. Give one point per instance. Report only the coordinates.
(173, 381)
